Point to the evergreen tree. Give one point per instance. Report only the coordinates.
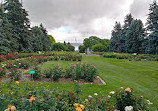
(37, 39)
(152, 27)
(40, 39)
(7, 43)
(64, 43)
(114, 41)
(45, 39)
(17, 16)
(128, 20)
(134, 37)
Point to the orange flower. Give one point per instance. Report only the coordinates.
(76, 104)
(30, 100)
(82, 107)
(78, 109)
(13, 108)
(128, 90)
(17, 82)
(33, 98)
(10, 106)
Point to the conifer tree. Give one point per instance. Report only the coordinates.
(116, 34)
(17, 16)
(128, 20)
(7, 43)
(134, 37)
(152, 28)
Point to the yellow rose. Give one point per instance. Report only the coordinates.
(82, 107)
(76, 104)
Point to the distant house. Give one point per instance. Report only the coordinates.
(76, 45)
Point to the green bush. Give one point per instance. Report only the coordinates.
(81, 71)
(2, 72)
(126, 98)
(48, 73)
(57, 71)
(58, 47)
(37, 74)
(14, 74)
(70, 48)
(99, 48)
(82, 49)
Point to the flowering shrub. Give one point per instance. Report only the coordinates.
(82, 71)
(8, 57)
(74, 71)
(25, 97)
(126, 100)
(14, 74)
(37, 74)
(2, 72)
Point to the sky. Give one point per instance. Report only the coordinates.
(74, 20)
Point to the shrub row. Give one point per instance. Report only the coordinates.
(75, 71)
(27, 97)
(60, 55)
(131, 57)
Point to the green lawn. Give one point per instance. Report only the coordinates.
(142, 76)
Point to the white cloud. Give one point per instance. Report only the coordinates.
(70, 19)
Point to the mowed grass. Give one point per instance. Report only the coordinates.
(142, 76)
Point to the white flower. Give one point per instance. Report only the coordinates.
(95, 94)
(148, 102)
(14, 65)
(90, 96)
(112, 92)
(19, 63)
(109, 96)
(128, 108)
(86, 99)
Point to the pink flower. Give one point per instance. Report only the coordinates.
(128, 90)
(121, 87)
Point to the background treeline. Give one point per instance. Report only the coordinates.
(95, 44)
(133, 37)
(16, 35)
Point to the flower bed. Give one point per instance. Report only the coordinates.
(8, 57)
(27, 97)
(87, 72)
(130, 57)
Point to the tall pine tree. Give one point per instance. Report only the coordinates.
(116, 34)
(134, 37)
(7, 43)
(152, 28)
(17, 16)
(127, 22)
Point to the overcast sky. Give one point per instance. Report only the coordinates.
(70, 19)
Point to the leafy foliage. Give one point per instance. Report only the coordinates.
(99, 48)
(93, 40)
(58, 47)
